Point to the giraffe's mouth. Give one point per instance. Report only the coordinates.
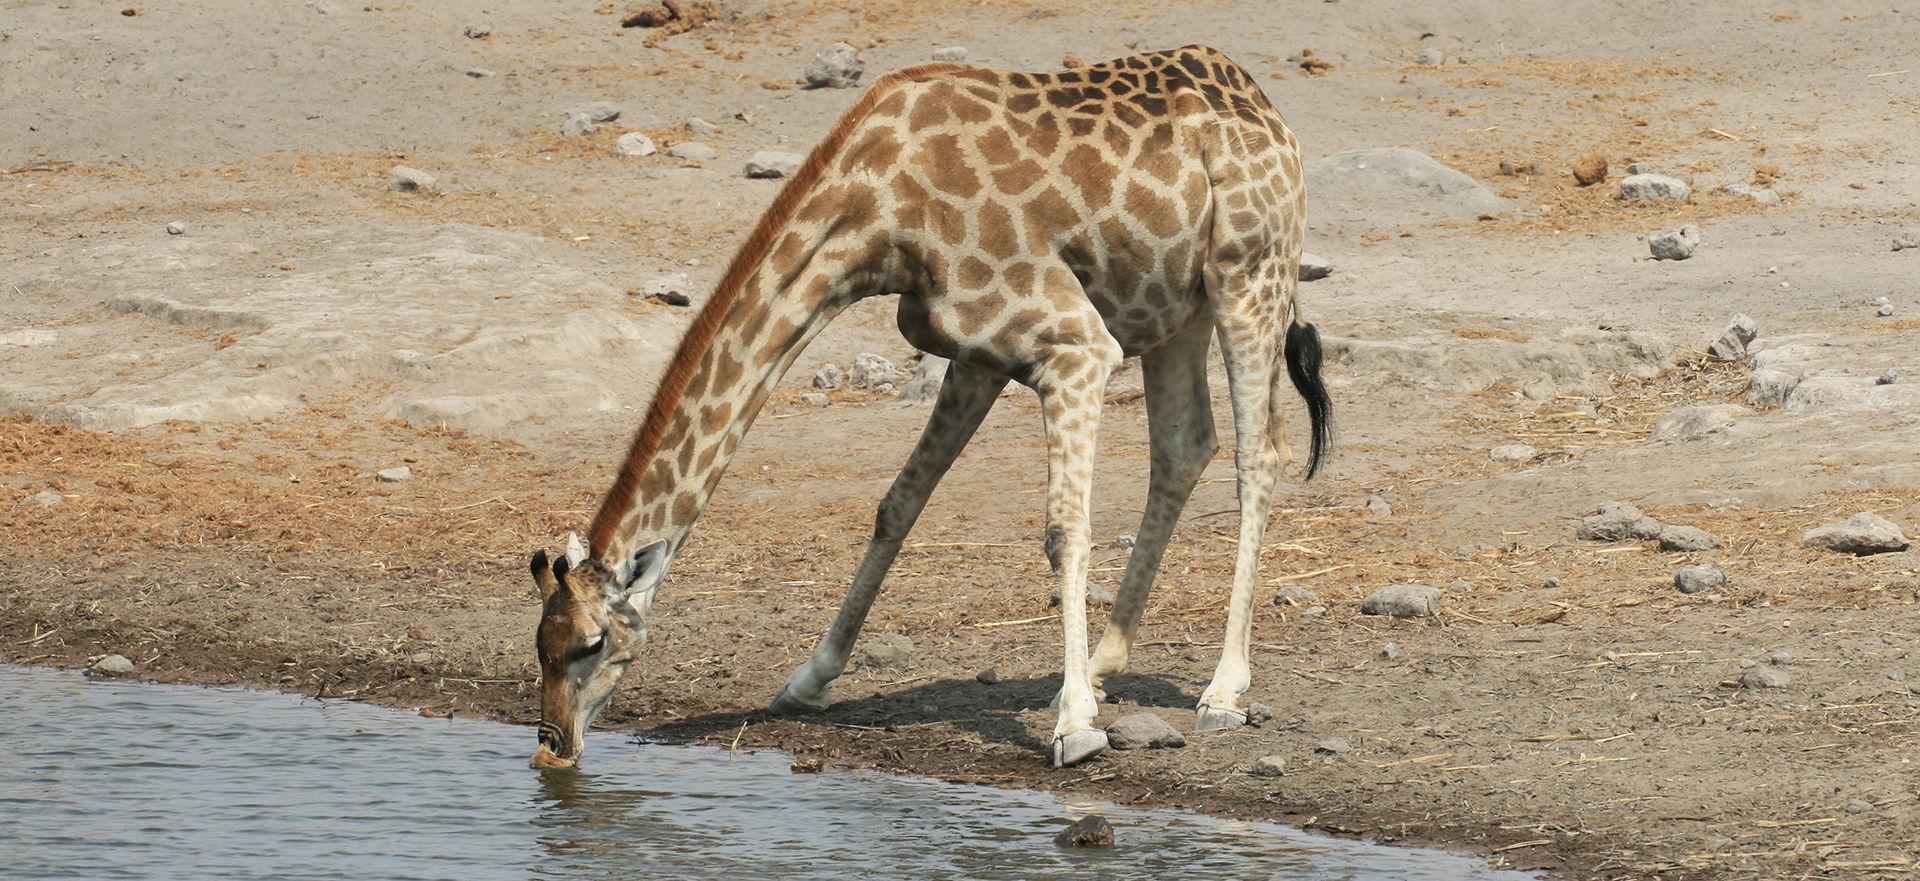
(545, 760)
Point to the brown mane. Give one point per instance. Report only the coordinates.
(699, 336)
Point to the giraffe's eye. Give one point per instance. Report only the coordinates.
(594, 647)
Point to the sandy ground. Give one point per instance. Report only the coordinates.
(210, 409)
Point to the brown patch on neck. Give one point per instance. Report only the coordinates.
(699, 338)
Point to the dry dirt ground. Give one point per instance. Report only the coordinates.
(1567, 710)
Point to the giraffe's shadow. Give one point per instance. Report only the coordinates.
(991, 711)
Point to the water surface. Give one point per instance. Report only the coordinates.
(124, 780)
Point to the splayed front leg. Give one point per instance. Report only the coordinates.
(966, 394)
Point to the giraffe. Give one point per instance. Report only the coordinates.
(1039, 228)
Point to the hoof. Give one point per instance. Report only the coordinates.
(787, 705)
(1075, 747)
(1214, 718)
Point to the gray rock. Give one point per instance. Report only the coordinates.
(1698, 420)
(951, 54)
(988, 676)
(596, 111)
(1653, 187)
(1378, 506)
(675, 289)
(693, 150)
(1258, 713)
(1402, 601)
(870, 370)
(1143, 731)
(1687, 539)
(1618, 521)
(1674, 244)
(1768, 387)
(1092, 830)
(176, 228)
(113, 665)
(815, 399)
(395, 475)
(887, 650)
(1429, 57)
(1295, 595)
(1639, 167)
(838, 66)
(1096, 595)
(476, 31)
(701, 127)
(575, 125)
(479, 73)
(1512, 453)
(46, 499)
(1780, 658)
(412, 180)
(1765, 677)
(1884, 311)
(1392, 652)
(1699, 578)
(1767, 197)
(1332, 746)
(1908, 237)
(1888, 378)
(1734, 338)
(829, 377)
(1862, 534)
(1268, 766)
(1314, 267)
(919, 390)
(634, 144)
(773, 163)
(1859, 806)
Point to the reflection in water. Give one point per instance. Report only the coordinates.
(126, 780)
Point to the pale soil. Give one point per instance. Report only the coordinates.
(1590, 725)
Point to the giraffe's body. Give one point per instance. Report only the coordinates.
(1038, 228)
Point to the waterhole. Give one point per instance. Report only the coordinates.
(103, 779)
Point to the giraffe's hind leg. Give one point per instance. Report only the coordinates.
(1180, 426)
(965, 397)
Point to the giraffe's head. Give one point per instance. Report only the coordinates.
(592, 625)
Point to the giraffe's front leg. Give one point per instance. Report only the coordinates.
(1070, 387)
(965, 397)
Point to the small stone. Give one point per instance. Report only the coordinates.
(1071, 61)
(412, 180)
(1123, 542)
(701, 127)
(829, 378)
(1780, 658)
(815, 399)
(1431, 57)
(1312, 613)
(1653, 187)
(1096, 596)
(1639, 167)
(773, 164)
(1089, 831)
(1332, 746)
(634, 144)
(694, 151)
(1862, 534)
(1295, 595)
(1258, 713)
(476, 31)
(988, 676)
(1765, 677)
(1590, 170)
(1268, 766)
(1143, 731)
(1687, 539)
(596, 111)
(1403, 601)
(808, 764)
(46, 499)
(575, 125)
(1674, 244)
(1888, 378)
(870, 370)
(421, 657)
(1512, 453)
(838, 67)
(1391, 652)
(887, 650)
(1698, 420)
(1314, 267)
(1552, 583)
(1734, 338)
(113, 665)
(1618, 521)
(1699, 577)
(1884, 312)
(670, 289)
(951, 54)
(1859, 806)
(1378, 506)
(1768, 387)
(1906, 238)
(479, 73)
(395, 475)
(176, 228)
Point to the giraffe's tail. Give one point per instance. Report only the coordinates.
(1303, 366)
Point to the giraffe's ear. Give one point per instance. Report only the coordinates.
(643, 571)
(576, 552)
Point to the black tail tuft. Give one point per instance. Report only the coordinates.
(1303, 366)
